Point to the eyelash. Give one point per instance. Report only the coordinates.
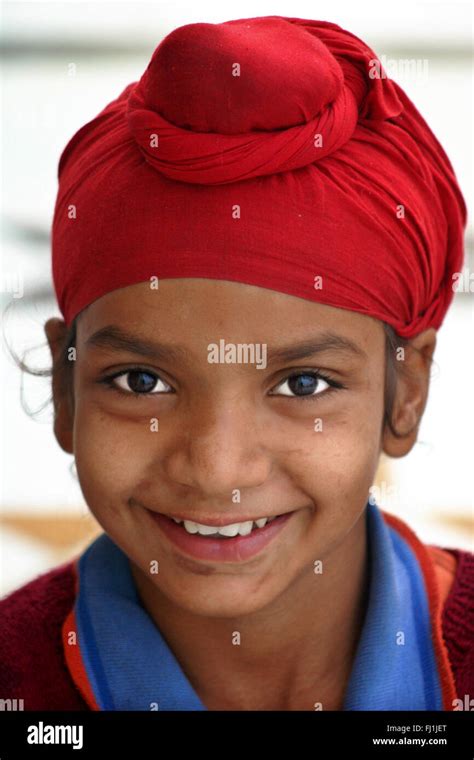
(318, 374)
(334, 385)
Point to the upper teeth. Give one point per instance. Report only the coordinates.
(243, 528)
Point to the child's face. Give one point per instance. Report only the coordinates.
(223, 427)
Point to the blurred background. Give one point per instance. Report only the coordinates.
(62, 62)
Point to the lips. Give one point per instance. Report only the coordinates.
(220, 548)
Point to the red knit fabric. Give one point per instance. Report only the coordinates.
(33, 668)
(32, 664)
(458, 624)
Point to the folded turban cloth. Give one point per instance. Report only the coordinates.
(271, 151)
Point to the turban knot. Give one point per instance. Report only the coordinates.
(225, 102)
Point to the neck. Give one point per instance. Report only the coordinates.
(296, 653)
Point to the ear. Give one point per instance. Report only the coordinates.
(62, 382)
(411, 394)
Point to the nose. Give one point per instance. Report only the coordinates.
(220, 449)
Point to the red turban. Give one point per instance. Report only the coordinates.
(270, 151)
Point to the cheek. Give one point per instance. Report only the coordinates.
(343, 449)
(336, 467)
(111, 456)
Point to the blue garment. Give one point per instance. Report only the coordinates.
(130, 666)
(388, 674)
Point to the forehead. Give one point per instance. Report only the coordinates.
(191, 310)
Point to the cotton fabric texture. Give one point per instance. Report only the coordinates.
(270, 151)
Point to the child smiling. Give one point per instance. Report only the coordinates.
(257, 189)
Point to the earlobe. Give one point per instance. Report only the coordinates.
(56, 331)
(411, 395)
(396, 447)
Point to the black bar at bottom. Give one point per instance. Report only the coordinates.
(154, 734)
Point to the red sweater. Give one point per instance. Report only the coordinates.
(32, 665)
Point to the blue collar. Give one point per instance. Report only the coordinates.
(129, 665)
(395, 664)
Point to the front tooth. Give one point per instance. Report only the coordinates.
(261, 522)
(206, 530)
(190, 526)
(245, 528)
(230, 530)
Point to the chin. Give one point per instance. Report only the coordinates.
(219, 608)
(220, 598)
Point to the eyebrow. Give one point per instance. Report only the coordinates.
(115, 338)
(327, 341)
(112, 337)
